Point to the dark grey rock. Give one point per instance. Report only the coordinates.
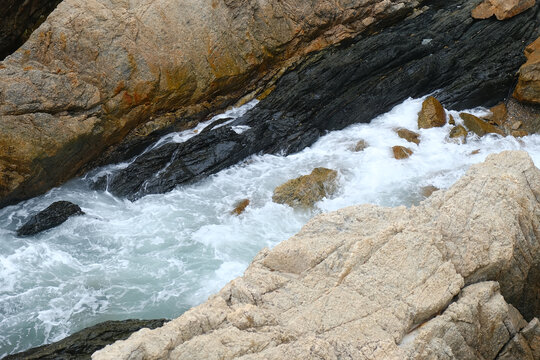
(84, 343)
(54, 215)
(466, 62)
(18, 19)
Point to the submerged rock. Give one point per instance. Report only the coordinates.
(370, 282)
(409, 135)
(401, 152)
(82, 344)
(458, 131)
(361, 145)
(240, 207)
(427, 191)
(502, 9)
(306, 190)
(432, 114)
(471, 62)
(54, 215)
(478, 126)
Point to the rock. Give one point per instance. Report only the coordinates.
(450, 278)
(426, 191)
(502, 9)
(54, 215)
(525, 345)
(94, 72)
(401, 152)
(451, 120)
(516, 125)
(361, 145)
(499, 114)
(432, 114)
(519, 133)
(479, 126)
(349, 84)
(240, 207)
(525, 113)
(475, 152)
(528, 86)
(82, 344)
(409, 135)
(306, 190)
(18, 19)
(457, 132)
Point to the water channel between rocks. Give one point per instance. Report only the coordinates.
(160, 255)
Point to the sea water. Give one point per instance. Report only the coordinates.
(160, 255)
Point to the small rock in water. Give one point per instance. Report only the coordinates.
(475, 152)
(479, 126)
(306, 190)
(240, 207)
(428, 190)
(361, 145)
(432, 114)
(499, 113)
(519, 133)
(451, 120)
(54, 215)
(401, 152)
(409, 135)
(457, 132)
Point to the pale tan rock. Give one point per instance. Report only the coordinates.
(502, 9)
(368, 282)
(95, 70)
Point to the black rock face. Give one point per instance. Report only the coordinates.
(54, 215)
(465, 62)
(84, 343)
(18, 19)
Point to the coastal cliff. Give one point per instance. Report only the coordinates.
(456, 275)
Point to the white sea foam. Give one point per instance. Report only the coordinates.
(158, 256)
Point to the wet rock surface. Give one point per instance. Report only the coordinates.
(54, 215)
(306, 190)
(432, 114)
(472, 62)
(82, 344)
(18, 18)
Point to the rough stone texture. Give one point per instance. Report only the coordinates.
(432, 114)
(525, 345)
(368, 282)
(471, 62)
(458, 131)
(401, 152)
(95, 70)
(82, 344)
(306, 190)
(502, 9)
(409, 135)
(54, 215)
(479, 126)
(18, 19)
(528, 87)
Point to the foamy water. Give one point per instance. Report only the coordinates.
(162, 254)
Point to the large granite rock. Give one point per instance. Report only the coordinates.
(95, 70)
(18, 19)
(472, 62)
(455, 277)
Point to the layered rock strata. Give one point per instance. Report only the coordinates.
(472, 62)
(456, 275)
(95, 70)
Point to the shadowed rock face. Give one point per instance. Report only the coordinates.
(455, 275)
(96, 70)
(82, 344)
(18, 19)
(472, 63)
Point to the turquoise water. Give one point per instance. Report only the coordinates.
(162, 254)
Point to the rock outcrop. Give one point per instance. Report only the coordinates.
(95, 70)
(502, 9)
(457, 275)
(54, 215)
(18, 19)
(306, 190)
(470, 62)
(528, 87)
